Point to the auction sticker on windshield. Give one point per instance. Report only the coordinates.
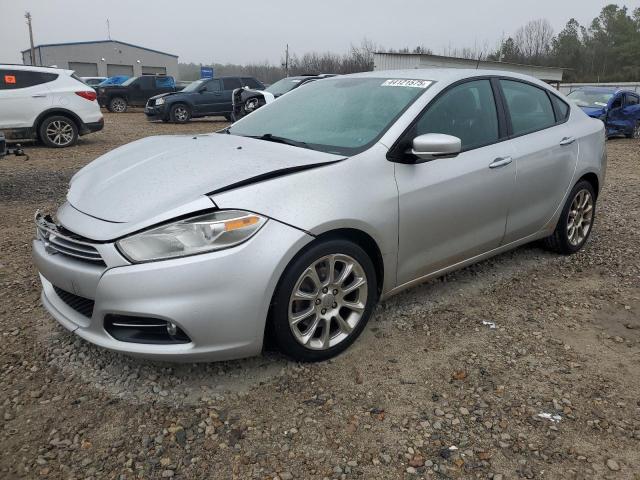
(403, 82)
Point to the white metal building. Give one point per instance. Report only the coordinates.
(103, 58)
(399, 61)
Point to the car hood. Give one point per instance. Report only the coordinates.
(595, 112)
(148, 177)
(167, 94)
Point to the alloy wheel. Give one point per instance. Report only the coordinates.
(328, 301)
(580, 217)
(60, 133)
(251, 104)
(118, 105)
(636, 131)
(181, 114)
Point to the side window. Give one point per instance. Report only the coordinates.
(617, 102)
(631, 100)
(213, 86)
(467, 111)
(562, 109)
(231, 83)
(15, 79)
(529, 107)
(145, 82)
(164, 82)
(251, 83)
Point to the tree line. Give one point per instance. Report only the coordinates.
(608, 49)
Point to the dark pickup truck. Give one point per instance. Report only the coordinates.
(134, 92)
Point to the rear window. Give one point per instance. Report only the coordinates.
(632, 99)
(15, 79)
(251, 83)
(165, 82)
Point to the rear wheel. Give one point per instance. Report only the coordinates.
(324, 300)
(180, 113)
(575, 222)
(58, 132)
(117, 105)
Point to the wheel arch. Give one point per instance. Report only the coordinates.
(593, 179)
(57, 111)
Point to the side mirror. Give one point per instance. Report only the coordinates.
(436, 145)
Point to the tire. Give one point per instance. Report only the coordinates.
(565, 239)
(180, 113)
(117, 105)
(635, 133)
(330, 325)
(58, 131)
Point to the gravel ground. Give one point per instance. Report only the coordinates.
(430, 390)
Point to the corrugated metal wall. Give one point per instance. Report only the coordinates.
(569, 87)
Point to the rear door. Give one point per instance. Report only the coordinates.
(228, 86)
(23, 96)
(452, 209)
(546, 154)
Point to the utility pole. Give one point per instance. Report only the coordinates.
(286, 61)
(108, 30)
(27, 15)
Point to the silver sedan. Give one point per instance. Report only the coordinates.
(297, 219)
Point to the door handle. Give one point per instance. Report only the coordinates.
(39, 95)
(500, 162)
(567, 141)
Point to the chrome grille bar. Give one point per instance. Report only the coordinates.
(58, 240)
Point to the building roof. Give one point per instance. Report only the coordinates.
(427, 60)
(100, 41)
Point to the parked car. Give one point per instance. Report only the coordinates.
(115, 80)
(296, 219)
(201, 98)
(618, 109)
(247, 99)
(134, 92)
(93, 81)
(47, 104)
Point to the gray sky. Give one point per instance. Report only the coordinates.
(243, 31)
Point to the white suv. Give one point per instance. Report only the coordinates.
(49, 104)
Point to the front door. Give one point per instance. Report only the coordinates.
(452, 209)
(209, 99)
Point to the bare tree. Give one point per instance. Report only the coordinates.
(534, 40)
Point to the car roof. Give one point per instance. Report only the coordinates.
(31, 68)
(447, 75)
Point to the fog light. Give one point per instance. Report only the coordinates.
(172, 329)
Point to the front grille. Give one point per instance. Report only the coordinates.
(84, 306)
(58, 239)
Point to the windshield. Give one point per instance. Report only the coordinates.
(590, 98)
(193, 86)
(283, 86)
(126, 83)
(342, 115)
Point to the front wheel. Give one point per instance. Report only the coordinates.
(180, 113)
(58, 132)
(575, 222)
(635, 133)
(324, 300)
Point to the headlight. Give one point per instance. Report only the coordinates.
(160, 101)
(201, 234)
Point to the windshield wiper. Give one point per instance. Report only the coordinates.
(269, 137)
